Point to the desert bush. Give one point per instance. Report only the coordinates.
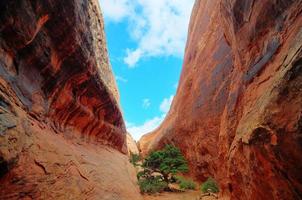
(210, 186)
(152, 185)
(184, 183)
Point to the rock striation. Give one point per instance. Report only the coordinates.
(237, 113)
(62, 134)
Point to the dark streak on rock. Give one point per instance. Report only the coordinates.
(4, 167)
(256, 69)
(260, 136)
(41, 166)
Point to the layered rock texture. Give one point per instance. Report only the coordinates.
(237, 114)
(62, 135)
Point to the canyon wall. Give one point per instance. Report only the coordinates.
(62, 134)
(237, 114)
(131, 145)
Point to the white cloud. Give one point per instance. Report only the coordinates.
(146, 103)
(146, 127)
(115, 10)
(159, 27)
(165, 104)
(132, 57)
(149, 125)
(121, 79)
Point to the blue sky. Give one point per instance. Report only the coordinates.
(146, 41)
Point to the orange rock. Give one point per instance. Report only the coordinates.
(237, 112)
(62, 132)
(131, 145)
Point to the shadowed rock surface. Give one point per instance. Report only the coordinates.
(62, 135)
(237, 112)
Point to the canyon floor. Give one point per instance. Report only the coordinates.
(190, 195)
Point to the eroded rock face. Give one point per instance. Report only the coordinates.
(62, 135)
(237, 112)
(131, 145)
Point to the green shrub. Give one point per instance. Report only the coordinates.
(139, 175)
(144, 174)
(134, 158)
(152, 185)
(168, 161)
(210, 186)
(186, 184)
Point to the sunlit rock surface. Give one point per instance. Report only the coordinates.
(131, 145)
(62, 135)
(237, 112)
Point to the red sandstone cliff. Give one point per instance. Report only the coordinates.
(61, 129)
(237, 114)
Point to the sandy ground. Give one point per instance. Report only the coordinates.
(191, 195)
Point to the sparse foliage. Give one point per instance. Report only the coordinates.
(152, 185)
(184, 183)
(134, 159)
(210, 186)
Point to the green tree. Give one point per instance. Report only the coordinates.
(168, 162)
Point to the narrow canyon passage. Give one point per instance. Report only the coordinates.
(236, 116)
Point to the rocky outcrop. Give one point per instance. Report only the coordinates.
(62, 135)
(237, 112)
(131, 145)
